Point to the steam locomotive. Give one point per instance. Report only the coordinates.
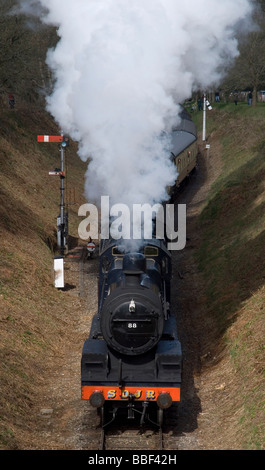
(131, 363)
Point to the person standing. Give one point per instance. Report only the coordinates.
(249, 97)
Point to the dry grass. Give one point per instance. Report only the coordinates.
(32, 317)
(231, 259)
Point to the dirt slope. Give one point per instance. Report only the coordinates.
(31, 312)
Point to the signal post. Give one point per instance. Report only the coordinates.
(62, 219)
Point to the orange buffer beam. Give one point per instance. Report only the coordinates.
(140, 393)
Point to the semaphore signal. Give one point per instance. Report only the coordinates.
(62, 219)
(50, 138)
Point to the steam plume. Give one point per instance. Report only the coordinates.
(121, 68)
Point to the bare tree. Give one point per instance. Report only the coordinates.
(248, 71)
(23, 47)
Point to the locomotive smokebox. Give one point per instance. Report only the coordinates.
(132, 319)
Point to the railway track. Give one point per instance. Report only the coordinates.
(126, 435)
(130, 438)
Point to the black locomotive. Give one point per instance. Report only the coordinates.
(132, 359)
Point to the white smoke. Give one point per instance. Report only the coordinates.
(121, 68)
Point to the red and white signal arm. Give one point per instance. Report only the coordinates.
(50, 138)
(57, 173)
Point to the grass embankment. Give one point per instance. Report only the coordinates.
(231, 259)
(35, 321)
(32, 316)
